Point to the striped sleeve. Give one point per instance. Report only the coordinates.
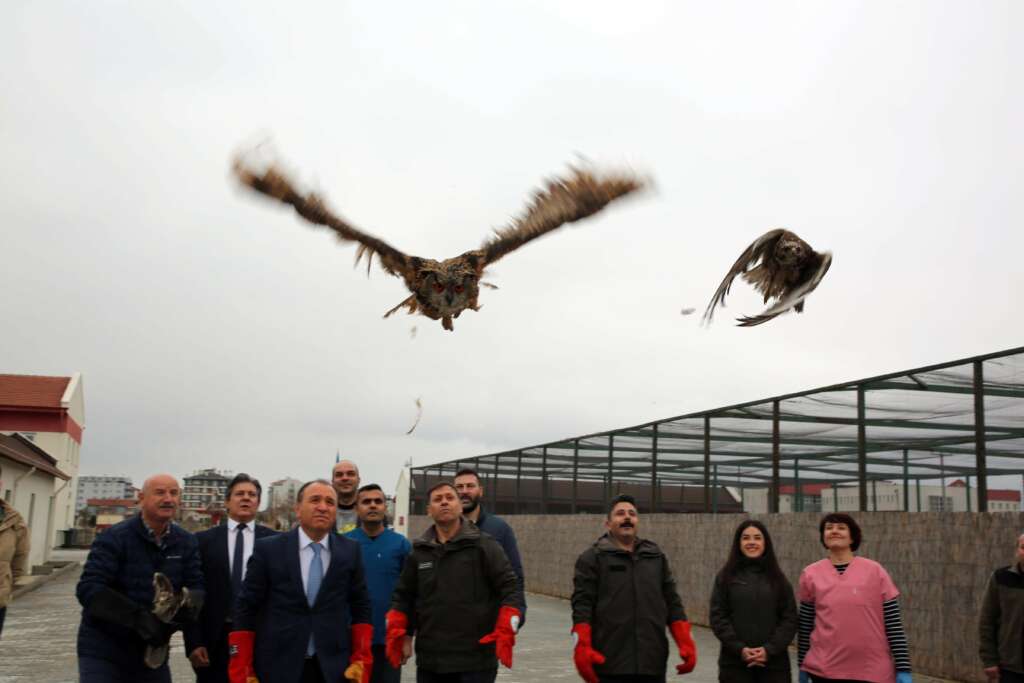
(804, 629)
(896, 635)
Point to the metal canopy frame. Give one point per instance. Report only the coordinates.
(963, 419)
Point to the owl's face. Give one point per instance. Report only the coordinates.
(448, 291)
(790, 250)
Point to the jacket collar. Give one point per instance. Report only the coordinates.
(643, 547)
(11, 517)
(468, 533)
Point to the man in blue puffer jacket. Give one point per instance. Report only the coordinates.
(116, 588)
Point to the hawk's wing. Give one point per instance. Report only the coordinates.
(761, 248)
(274, 183)
(562, 201)
(792, 298)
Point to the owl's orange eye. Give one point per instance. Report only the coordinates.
(439, 288)
(458, 289)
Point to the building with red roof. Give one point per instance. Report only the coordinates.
(48, 412)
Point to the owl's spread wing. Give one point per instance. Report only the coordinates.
(274, 183)
(561, 201)
(761, 248)
(793, 297)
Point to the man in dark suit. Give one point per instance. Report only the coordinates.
(304, 614)
(224, 550)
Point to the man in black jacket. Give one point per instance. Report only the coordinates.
(459, 590)
(624, 596)
(224, 551)
(467, 485)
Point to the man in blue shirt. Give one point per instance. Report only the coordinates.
(467, 485)
(384, 553)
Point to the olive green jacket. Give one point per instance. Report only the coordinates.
(1001, 625)
(14, 544)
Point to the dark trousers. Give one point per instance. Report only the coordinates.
(217, 672)
(94, 670)
(1010, 676)
(3, 613)
(311, 671)
(753, 674)
(462, 677)
(383, 672)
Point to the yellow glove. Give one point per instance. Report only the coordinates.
(354, 672)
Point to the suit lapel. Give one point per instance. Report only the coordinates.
(220, 555)
(292, 558)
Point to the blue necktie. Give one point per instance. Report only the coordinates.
(236, 563)
(316, 575)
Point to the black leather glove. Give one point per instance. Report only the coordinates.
(110, 605)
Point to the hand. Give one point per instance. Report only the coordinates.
(240, 648)
(584, 655)
(199, 657)
(758, 657)
(361, 661)
(992, 673)
(903, 677)
(687, 648)
(805, 677)
(406, 649)
(394, 643)
(152, 630)
(504, 635)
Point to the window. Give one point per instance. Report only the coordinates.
(940, 504)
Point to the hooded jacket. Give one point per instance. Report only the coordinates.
(628, 599)
(750, 611)
(452, 592)
(14, 546)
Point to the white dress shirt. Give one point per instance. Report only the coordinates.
(306, 555)
(248, 537)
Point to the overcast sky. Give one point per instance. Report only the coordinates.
(214, 329)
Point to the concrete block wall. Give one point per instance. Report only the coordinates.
(939, 561)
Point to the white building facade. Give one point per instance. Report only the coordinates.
(102, 487)
(49, 412)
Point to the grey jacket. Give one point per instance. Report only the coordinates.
(1001, 624)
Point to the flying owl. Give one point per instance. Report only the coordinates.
(441, 290)
(788, 271)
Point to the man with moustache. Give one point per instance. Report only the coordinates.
(384, 553)
(624, 596)
(116, 588)
(224, 551)
(302, 591)
(459, 590)
(467, 483)
(345, 477)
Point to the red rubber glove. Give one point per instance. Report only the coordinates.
(504, 634)
(397, 623)
(687, 648)
(584, 655)
(360, 664)
(240, 646)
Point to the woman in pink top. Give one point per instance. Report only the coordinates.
(850, 627)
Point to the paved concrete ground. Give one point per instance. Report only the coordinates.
(38, 642)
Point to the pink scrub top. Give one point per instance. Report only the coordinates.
(849, 639)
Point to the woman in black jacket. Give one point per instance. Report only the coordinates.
(753, 611)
